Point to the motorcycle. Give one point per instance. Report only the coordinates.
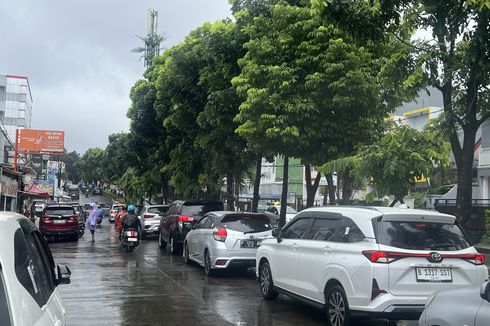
(130, 239)
(81, 228)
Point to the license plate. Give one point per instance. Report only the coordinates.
(250, 243)
(132, 239)
(59, 221)
(433, 274)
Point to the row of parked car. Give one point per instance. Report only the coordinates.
(354, 262)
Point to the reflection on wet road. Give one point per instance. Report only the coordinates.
(151, 287)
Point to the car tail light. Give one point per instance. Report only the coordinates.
(185, 219)
(148, 216)
(386, 257)
(382, 257)
(220, 234)
(46, 220)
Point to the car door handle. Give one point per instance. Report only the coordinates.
(327, 249)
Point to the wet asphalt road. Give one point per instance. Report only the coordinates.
(151, 287)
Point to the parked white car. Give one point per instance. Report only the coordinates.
(276, 209)
(28, 276)
(150, 216)
(368, 262)
(223, 239)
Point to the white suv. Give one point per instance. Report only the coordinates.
(366, 261)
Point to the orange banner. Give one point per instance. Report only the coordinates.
(41, 141)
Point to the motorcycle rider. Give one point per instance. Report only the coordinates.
(130, 220)
(117, 220)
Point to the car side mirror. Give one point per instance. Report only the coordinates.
(276, 233)
(485, 291)
(64, 274)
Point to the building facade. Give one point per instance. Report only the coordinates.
(15, 109)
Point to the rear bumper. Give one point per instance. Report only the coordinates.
(151, 229)
(234, 258)
(392, 307)
(59, 233)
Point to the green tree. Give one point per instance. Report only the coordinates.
(90, 165)
(72, 171)
(455, 60)
(400, 157)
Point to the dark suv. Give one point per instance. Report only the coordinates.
(180, 218)
(59, 221)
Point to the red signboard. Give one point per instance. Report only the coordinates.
(41, 141)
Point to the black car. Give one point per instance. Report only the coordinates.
(73, 192)
(180, 218)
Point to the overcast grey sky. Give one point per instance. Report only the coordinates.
(77, 55)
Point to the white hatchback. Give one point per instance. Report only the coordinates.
(28, 276)
(368, 262)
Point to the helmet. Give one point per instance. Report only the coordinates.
(131, 208)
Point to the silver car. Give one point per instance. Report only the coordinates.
(223, 239)
(465, 306)
(150, 216)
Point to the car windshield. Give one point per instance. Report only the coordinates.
(192, 209)
(421, 236)
(158, 210)
(59, 211)
(246, 223)
(290, 210)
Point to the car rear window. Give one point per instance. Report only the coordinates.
(191, 209)
(246, 223)
(421, 236)
(158, 210)
(68, 211)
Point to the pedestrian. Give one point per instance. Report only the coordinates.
(27, 212)
(33, 209)
(91, 222)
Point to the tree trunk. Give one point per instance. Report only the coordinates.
(284, 194)
(465, 178)
(230, 203)
(346, 190)
(258, 172)
(311, 188)
(331, 189)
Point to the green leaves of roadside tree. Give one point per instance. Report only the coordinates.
(400, 157)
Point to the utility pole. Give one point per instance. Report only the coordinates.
(152, 40)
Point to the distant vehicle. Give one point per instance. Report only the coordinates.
(180, 218)
(39, 205)
(97, 191)
(274, 210)
(59, 221)
(73, 192)
(29, 277)
(380, 262)
(150, 216)
(222, 240)
(116, 208)
(465, 306)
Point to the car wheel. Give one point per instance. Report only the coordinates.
(174, 250)
(265, 282)
(186, 254)
(337, 307)
(207, 264)
(161, 243)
